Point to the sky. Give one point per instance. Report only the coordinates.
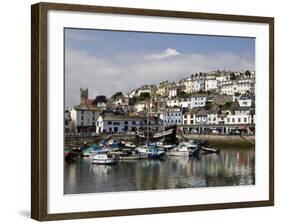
(106, 62)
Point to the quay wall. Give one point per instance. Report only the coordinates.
(213, 140)
(223, 140)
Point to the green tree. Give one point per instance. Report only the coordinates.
(144, 96)
(248, 73)
(226, 106)
(116, 95)
(183, 94)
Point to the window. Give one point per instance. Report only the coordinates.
(82, 118)
(82, 112)
(245, 120)
(109, 122)
(133, 122)
(239, 120)
(126, 122)
(228, 120)
(233, 120)
(82, 124)
(116, 123)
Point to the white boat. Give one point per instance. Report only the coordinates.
(160, 144)
(130, 145)
(184, 149)
(104, 159)
(141, 149)
(210, 150)
(151, 151)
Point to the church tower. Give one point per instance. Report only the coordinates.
(83, 95)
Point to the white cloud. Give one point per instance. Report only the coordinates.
(105, 76)
(169, 52)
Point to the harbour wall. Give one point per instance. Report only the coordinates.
(212, 140)
(223, 140)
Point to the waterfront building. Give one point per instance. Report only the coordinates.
(201, 117)
(172, 116)
(238, 119)
(83, 118)
(117, 124)
(212, 117)
(190, 116)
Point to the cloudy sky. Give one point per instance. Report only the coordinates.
(109, 61)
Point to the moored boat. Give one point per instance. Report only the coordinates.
(104, 159)
(210, 150)
(184, 149)
(152, 151)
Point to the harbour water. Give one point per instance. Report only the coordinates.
(231, 167)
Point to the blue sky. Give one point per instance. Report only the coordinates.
(110, 61)
(103, 43)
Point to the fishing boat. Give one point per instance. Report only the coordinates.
(184, 149)
(104, 159)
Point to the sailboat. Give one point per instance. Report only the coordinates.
(151, 150)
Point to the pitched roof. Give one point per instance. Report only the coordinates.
(86, 107)
(112, 117)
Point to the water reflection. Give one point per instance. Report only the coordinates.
(231, 167)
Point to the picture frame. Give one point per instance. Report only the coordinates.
(40, 110)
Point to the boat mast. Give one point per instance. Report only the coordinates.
(147, 123)
(164, 120)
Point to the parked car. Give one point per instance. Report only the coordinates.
(215, 131)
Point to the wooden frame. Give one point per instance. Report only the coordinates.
(39, 110)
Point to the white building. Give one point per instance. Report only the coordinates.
(238, 119)
(142, 106)
(240, 86)
(173, 92)
(212, 118)
(173, 103)
(83, 118)
(198, 101)
(190, 85)
(211, 84)
(245, 101)
(117, 124)
(189, 117)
